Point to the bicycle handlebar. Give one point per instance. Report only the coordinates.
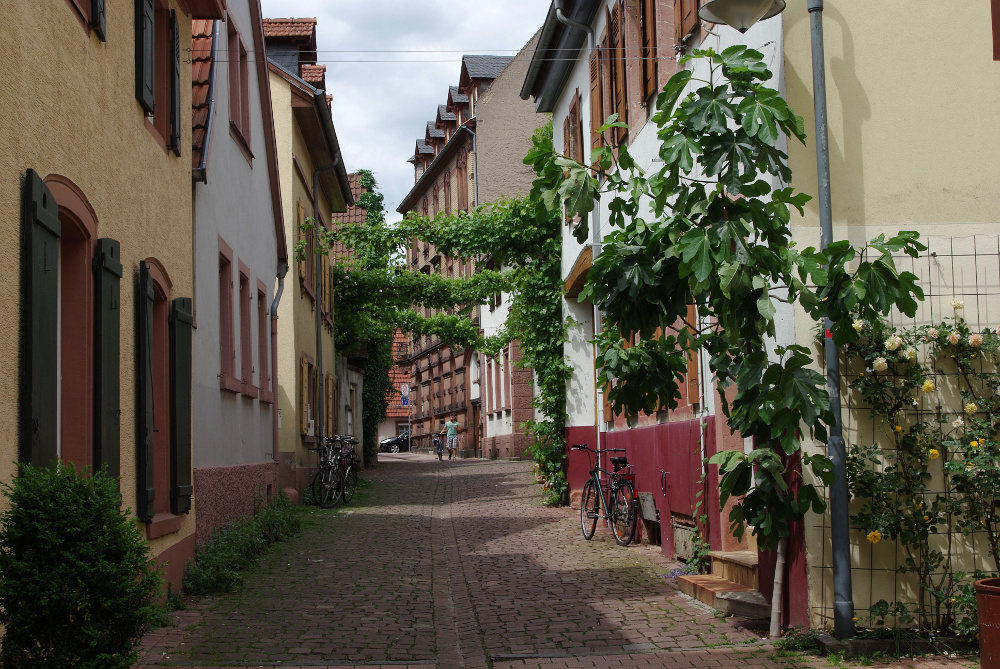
(584, 447)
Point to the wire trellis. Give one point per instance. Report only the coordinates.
(952, 268)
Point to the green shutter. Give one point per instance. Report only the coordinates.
(181, 320)
(145, 54)
(40, 232)
(175, 85)
(107, 363)
(98, 19)
(144, 396)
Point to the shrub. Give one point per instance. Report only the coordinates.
(236, 547)
(78, 584)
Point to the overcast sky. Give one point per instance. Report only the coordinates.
(381, 108)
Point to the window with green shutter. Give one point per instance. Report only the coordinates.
(107, 362)
(181, 321)
(145, 424)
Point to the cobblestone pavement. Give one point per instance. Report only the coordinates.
(457, 564)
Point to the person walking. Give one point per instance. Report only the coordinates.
(451, 432)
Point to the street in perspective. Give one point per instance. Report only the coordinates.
(462, 566)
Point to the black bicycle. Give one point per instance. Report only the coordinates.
(619, 504)
(349, 464)
(328, 483)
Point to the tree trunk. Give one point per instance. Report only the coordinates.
(779, 586)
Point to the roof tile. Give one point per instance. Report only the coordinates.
(485, 67)
(289, 27)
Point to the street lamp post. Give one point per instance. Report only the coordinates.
(741, 15)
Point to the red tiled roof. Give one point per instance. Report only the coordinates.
(201, 56)
(289, 27)
(353, 214)
(314, 74)
(399, 375)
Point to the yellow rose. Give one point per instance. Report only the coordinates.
(933, 454)
(927, 517)
(897, 428)
(974, 443)
(928, 386)
(874, 536)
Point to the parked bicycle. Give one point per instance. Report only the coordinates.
(337, 476)
(349, 465)
(618, 505)
(438, 444)
(327, 484)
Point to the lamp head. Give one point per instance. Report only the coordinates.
(740, 14)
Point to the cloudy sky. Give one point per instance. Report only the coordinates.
(389, 65)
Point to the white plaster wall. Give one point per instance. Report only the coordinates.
(231, 429)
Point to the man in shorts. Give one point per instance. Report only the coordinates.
(451, 434)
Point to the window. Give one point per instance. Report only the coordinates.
(307, 272)
(307, 396)
(227, 328)
(157, 71)
(246, 334)
(647, 46)
(607, 79)
(91, 14)
(447, 192)
(434, 198)
(462, 177)
(263, 338)
(239, 88)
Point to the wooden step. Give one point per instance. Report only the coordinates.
(724, 595)
(736, 566)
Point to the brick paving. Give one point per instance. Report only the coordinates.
(457, 564)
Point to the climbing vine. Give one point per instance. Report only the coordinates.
(929, 477)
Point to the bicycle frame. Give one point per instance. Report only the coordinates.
(612, 477)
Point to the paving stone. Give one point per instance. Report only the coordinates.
(458, 565)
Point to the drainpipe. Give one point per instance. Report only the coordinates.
(201, 172)
(316, 286)
(282, 271)
(565, 20)
(843, 601)
(475, 165)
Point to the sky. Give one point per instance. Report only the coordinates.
(381, 108)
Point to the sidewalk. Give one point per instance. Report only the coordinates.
(457, 564)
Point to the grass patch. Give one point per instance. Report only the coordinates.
(236, 547)
(797, 639)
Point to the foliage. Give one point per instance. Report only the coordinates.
(237, 546)
(376, 293)
(954, 369)
(799, 639)
(78, 585)
(706, 229)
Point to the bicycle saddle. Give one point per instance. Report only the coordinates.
(620, 461)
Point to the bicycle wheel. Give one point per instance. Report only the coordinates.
(350, 483)
(589, 510)
(326, 487)
(623, 513)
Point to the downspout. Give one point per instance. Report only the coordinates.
(316, 286)
(282, 271)
(843, 596)
(475, 165)
(565, 20)
(200, 173)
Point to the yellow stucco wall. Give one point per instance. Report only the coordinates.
(67, 107)
(296, 314)
(913, 94)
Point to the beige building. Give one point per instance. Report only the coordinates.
(913, 146)
(472, 153)
(311, 400)
(96, 360)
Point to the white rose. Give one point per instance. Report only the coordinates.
(880, 365)
(893, 342)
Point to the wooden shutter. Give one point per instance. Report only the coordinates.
(330, 405)
(98, 19)
(647, 46)
(575, 131)
(596, 109)
(107, 363)
(174, 143)
(301, 236)
(145, 54)
(303, 396)
(40, 232)
(693, 384)
(686, 18)
(181, 321)
(145, 420)
(617, 45)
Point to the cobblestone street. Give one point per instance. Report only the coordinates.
(457, 564)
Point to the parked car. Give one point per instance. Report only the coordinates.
(401, 442)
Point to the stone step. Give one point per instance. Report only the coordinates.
(736, 566)
(724, 595)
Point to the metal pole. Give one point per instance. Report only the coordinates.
(843, 604)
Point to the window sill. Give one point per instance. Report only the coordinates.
(163, 524)
(248, 390)
(266, 396)
(241, 142)
(230, 383)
